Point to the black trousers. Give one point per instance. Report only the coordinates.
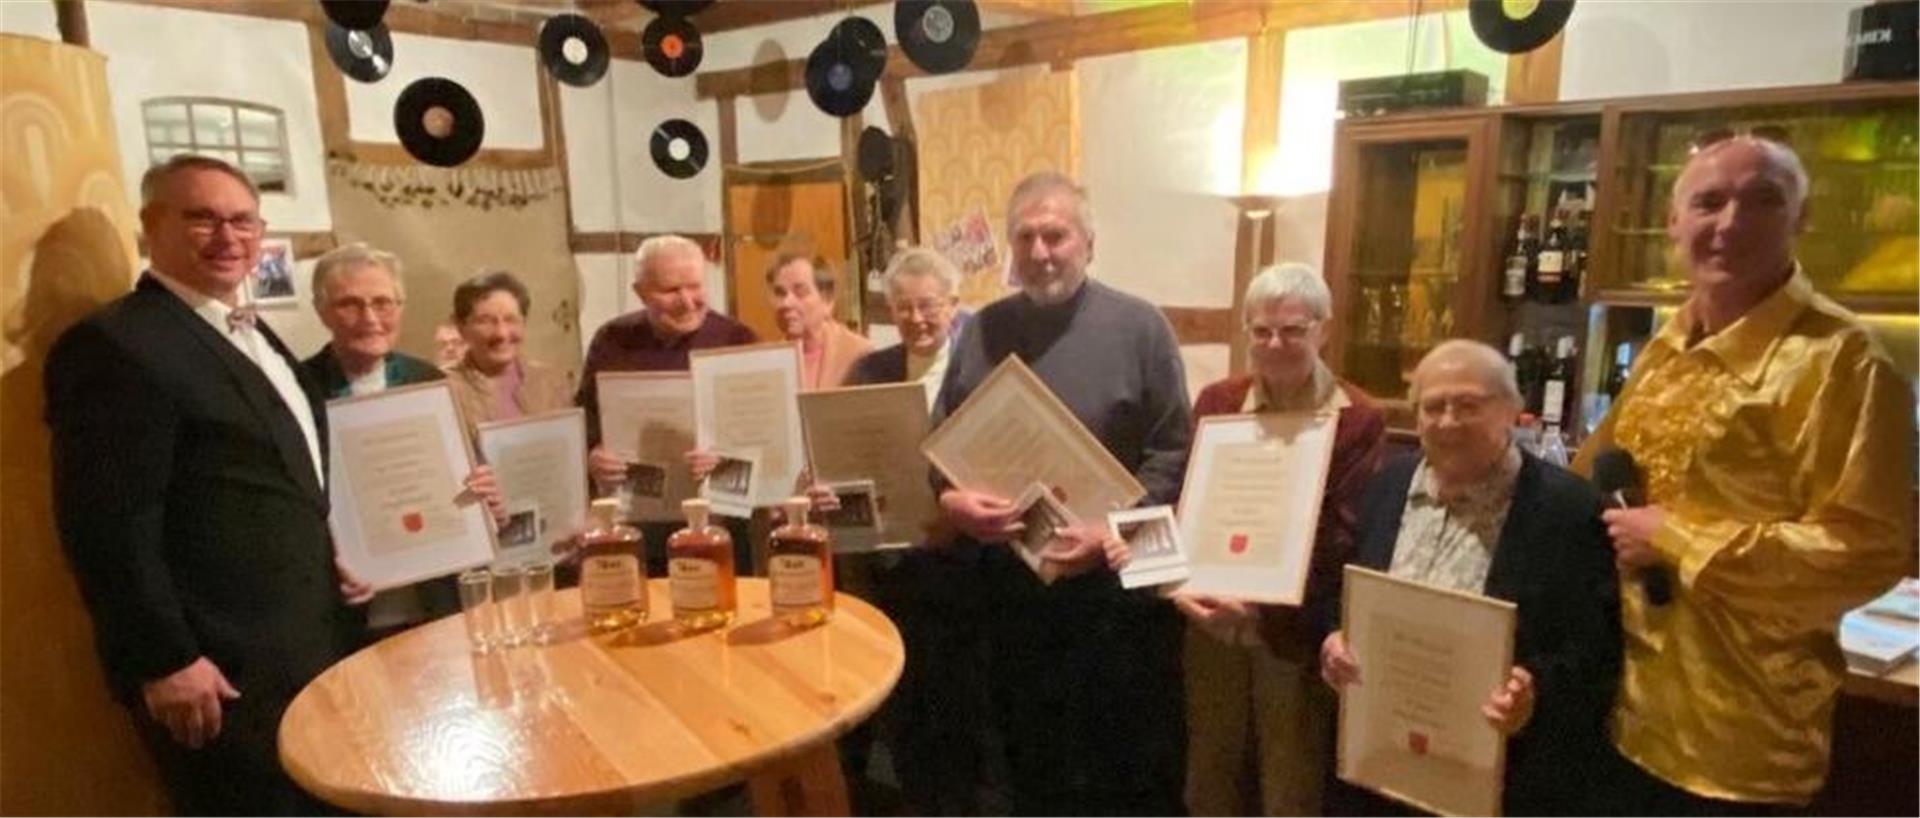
(239, 773)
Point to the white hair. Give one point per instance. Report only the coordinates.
(353, 256)
(1051, 183)
(1779, 153)
(662, 246)
(1288, 280)
(1485, 362)
(922, 262)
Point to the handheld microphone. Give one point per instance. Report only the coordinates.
(1618, 479)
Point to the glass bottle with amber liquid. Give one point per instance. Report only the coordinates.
(800, 568)
(613, 583)
(700, 572)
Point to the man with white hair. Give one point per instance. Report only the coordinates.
(1472, 513)
(669, 277)
(1776, 440)
(1087, 675)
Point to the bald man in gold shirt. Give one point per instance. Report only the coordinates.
(1776, 440)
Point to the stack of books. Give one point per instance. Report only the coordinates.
(1881, 635)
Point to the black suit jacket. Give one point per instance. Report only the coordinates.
(188, 505)
(1555, 564)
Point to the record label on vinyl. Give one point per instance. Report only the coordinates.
(439, 122)
(358, 15)
(679, 149)
(672, 46)
(1517, 26)
(573, 49)
(365, 56)
(940, 36)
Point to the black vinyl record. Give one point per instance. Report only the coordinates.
(358, 15)
(672, 46)
(692, 144)
(1518, 26)
(835, 83)
(439, 122)
(875, 154)
(940, 36)
(573, 49)
(866, 42)
(366, 56)
(676, 8)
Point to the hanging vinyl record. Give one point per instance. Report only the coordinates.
(938, 35)
(358, 15)
(366, 56)
(439, 122)
(835, 83)
(1518, 26)
(679, 149)
(671, 45)
(573, 49)
(676, 8)
(866, 42)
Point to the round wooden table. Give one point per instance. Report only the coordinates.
(418, 724)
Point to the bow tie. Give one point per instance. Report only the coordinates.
(241, 318)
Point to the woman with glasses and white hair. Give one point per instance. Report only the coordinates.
(1255, 705)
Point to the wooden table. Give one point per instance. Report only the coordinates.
(418, 724)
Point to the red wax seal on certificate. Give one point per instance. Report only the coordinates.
(1237, 543)
(413, 522)
(1417, 742)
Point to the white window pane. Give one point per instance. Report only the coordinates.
(229, 157)
(213, 125)
(259, 129)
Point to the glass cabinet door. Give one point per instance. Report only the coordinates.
(1406, 256)
(1862, 236)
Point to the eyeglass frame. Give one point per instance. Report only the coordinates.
(205, 224)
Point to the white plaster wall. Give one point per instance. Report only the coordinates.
(1160, 135)
(30, 19)
(1635, 47)
(609, 129)
(1205, 364)
(502, 78)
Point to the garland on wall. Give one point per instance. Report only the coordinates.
(425, 187)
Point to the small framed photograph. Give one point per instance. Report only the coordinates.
(273, 281)
(1153, 535)
(731, 485)
(1043, 515)
(522, 527)
(856, 525)
(648, 481)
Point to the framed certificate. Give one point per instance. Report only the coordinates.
(1428, 658)
(1251, 502)
(1152, 535)
(541, 463)
(1013, 431)
(646, 419)
(872, 433)
(398, 464)
(743, 403)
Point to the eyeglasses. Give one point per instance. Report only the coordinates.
(1291, 333)
(923, 308)
(381, 305)
(205, 223)
(1716, 135)
(1465, 407)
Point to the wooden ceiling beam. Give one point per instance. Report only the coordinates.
(1064, 40)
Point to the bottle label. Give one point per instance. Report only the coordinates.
(1516, 281)
(693, 583)
(610, 581)
(1552, 399)
(1552, 262)
(794, 581)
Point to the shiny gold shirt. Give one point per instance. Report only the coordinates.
(1782, 451)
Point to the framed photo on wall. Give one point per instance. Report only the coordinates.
(273, 280)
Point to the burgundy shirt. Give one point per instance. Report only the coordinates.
(628, 344)
(1358, 445)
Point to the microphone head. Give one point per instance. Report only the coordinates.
(1614, 470)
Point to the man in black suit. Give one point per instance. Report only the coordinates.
(1472, 513)
(189, 491)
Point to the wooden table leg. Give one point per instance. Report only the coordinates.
(807, 784)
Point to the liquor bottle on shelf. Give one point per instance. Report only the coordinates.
(700, 570)
(1576, 255)
(1556, 392)
(1513, 283)
(1527, 371)
(800, 568)
(1553, 446)
(613, 583)
(1622, 367)
(1550, 266)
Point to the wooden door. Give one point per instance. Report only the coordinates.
(768, 215)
